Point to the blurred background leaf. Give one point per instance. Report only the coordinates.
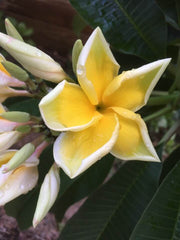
(161, 220)
(133, 27)
(73, 190)
(112, 211)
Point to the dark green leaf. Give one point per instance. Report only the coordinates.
(169, 163)
(29, 105)
(135, 27)
(161, 219)
(112, 212)
(23, 207)
(169, 9)
(72, 190)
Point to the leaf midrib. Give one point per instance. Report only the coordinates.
(135, 26)
(119, 203)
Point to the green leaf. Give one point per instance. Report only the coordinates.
(135, 27)
(72, 190)
(112, 212)
(169, 163)
(29, 105)
(169, 9)
(161, 219)
(23, 207)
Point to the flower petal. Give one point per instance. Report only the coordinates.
(7, 139)
(6, 126)
(66, 107)
(74, 152)
(133, 142)
(2, 109)
(96, 66)
(10, 92)
(6, 80)
(5, 156)
(132, 89)
(20, 181)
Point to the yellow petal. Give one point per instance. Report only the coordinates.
(1, 109)
(66, 107)
(96, 66)
(132, 89)
(20, 181)
(133, 142)
(5, 156)
(74, 152)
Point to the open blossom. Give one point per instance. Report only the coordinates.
(99, 116)
(18, 181)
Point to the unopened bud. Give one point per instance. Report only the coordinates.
(19, 157)
(12, 31)
(16, 116)
(78, 46)
(48, 194)
(23, 129)
(16, 71)
(32, 59)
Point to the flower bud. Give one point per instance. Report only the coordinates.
(16, 71)
(78, 46)
(12, 31)
(19, 157)
(48, 194)
(16, 116)
(33, 59)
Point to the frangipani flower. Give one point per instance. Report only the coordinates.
(99, 116)
(7, 136)
(18, 181)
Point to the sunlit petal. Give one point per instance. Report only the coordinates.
(5, 156)
(20, 181)
(1, 109)
(96, 66)
(132, 89)
(66, 107)
(74, 152)
(7, 139)
(133, 142)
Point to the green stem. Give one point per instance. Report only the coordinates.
(170, 133)
(157, 114)
(161, 100)
(160, 93)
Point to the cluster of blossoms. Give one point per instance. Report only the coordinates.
(93, 118)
